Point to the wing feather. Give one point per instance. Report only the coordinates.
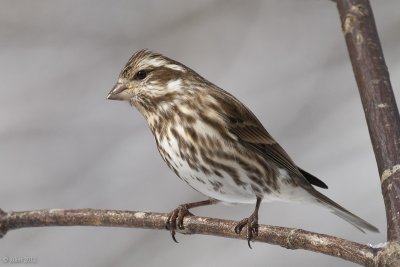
(251, 133)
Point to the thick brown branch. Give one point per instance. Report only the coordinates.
(285, 237)
(378, 100)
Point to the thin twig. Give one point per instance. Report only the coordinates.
(286, 237)
(378, 100)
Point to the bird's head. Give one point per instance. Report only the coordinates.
(150, 80)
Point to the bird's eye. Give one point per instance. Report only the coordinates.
(140, 75)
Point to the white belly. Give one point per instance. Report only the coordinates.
(222, 186)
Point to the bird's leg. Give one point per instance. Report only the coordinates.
(175, 218)
(251, 223)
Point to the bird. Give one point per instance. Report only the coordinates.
(215, 144)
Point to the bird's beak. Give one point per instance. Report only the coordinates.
(118, 92)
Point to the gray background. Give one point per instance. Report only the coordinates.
(63, 145)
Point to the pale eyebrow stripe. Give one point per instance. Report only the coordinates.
(175, 67)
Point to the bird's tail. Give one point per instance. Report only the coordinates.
(346, 215)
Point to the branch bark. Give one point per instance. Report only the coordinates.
(378, 100)
(285, 237)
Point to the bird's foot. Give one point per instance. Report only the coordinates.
(251, 223)
(252, 227)
(175, 219)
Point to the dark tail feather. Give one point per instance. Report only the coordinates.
(312, 179)
(346, 215)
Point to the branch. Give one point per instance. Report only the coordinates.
(285, 237)
(378, 100)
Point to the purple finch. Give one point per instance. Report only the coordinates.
(214, 143)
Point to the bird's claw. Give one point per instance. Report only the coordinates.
(175, 220)
(252, 227)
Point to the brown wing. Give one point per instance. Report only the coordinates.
(249, 130)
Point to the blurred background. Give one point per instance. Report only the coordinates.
(63, 145)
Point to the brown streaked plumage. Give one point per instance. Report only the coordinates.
(214, 143)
